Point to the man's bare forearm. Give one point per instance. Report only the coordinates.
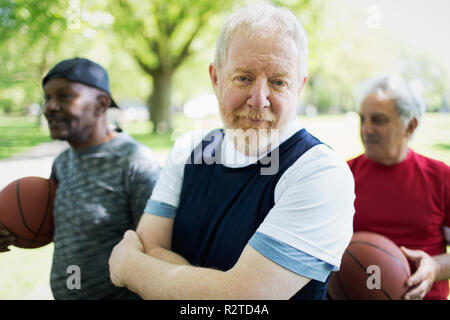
(156, 279)
(167, 256)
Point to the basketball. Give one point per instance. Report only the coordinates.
(372, 268)
(26, 210)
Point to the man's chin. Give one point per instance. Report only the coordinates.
(373, 154)
(57, 135)
(371, 148)
(254, 142)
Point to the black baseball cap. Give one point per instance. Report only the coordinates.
(84, 71)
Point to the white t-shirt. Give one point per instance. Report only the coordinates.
(313, 211)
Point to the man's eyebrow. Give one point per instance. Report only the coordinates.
(281, 74)
(377, 114)
(241, 70)
(58, 90)
(278, 74)
(374, 115)
(64, 87)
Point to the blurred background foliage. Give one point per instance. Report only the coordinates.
(157, 52)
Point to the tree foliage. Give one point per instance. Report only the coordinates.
(29, 32)
(159, 50)
(159, 37)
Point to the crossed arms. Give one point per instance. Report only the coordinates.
(144, 264)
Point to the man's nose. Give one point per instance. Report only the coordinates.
(367, 127)
(259, 94)
(50, 105)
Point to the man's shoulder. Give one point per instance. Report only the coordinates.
(433, 163)
(126, 145)
(353, 163)
(134, 152)
(123, 141)
(318, 159)
(324, 154)
(63, 155)
(355, 159)
(317, 170)
(432, 166)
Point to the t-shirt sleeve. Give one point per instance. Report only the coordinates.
(161, 209)
(312, 215)
(142, 174)
(166, 194)
(447, 205)
(291, 258)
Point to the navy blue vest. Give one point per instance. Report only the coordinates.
(220, 208)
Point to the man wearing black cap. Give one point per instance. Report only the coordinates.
(77, 97)
(104, 180)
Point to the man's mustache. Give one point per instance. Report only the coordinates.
(370, 139)
(256, 115)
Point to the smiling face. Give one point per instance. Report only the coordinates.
(72, 110)
(383, 134)
(258, 85)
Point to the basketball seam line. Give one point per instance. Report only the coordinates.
(385, 251)
(36, 234)
(17, 236)
(19, 205)
(365, 270)
(46, 210)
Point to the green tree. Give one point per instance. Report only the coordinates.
(37, 34)
(428, 79)
(31, 32)
(159, 36)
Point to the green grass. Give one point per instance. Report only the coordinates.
(340, 132)
(25, 273)
(432, 138)
(17, 134)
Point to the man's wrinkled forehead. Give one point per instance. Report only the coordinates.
(247, 53)
(376, 104)
(269, 69)
(58, 84)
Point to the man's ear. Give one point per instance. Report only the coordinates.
(303, 82)
(213, 74)
(412, 125)
(103, 103)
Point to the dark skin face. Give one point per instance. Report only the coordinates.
(76, 113)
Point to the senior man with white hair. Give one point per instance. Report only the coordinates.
(260, 209)
(399, 193)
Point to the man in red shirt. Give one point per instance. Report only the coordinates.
(399, 193)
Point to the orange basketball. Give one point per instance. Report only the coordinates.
(372, 268)
(26, 210)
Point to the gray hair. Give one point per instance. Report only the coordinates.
(259, 20)
(407, 104)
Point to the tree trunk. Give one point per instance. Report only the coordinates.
(160, 101)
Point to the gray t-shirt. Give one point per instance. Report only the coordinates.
(101, 193)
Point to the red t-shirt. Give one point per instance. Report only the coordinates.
(408, 202)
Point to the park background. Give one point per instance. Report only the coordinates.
(157, 54)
